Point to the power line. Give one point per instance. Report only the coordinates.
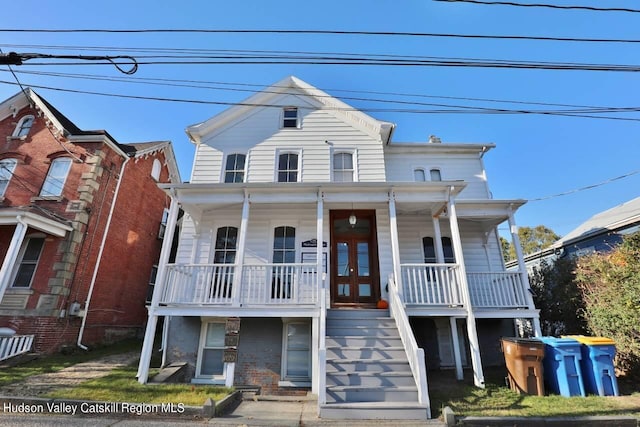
(226, 86)
(568, 113)
(322, 32)
(588, 187)
(551, 6)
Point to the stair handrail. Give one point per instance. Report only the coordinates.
(414, 353)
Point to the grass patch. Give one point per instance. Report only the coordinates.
(56, 362)
(121, 386)
(496, 399)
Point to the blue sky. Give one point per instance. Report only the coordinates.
(536, 155)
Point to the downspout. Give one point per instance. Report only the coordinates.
(102, 245)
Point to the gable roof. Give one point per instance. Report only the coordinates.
(612, 219)
(71, 131)
(295, 86)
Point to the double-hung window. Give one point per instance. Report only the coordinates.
(224, 253)
(418, 175)
(435, 175)
(56, 177)
(7, 166)
(234, 168)
(210, 364)
(29, 257)
(343, 168)
(429, 250)
(290, 117)
(288, 167)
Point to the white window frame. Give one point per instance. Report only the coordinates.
(58, 179)
(283, 118)
(156, 169)
(295, 242)
(432, 170)
(163, 223)
(20, 260)
(354, 158)
(279, 152)
(286, 381)
(272, 228)
(199, 377)
(7, 167)
(20, 126)
(224, 170)
(151, 286)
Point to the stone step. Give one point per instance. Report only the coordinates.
(347, 313)
(372, 322)
(361, 341)
(386, 379)
(364, 331)
(351, 394)
(378, 410)
(373, 353)
(367, 365)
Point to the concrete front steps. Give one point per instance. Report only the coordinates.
(368, 374)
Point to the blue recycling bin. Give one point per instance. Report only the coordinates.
(597, 365)
(562, 373)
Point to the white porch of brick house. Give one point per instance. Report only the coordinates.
(453, 290)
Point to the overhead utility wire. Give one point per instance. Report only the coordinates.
(322, 32)
(588, 187)
(13, 58)
(224, 60)
(207, 85)
(414, 111)
(552, 6)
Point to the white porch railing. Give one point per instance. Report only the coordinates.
(260, 284)
(414, 353)
(497, 290)
(439, 285)
(431, 284)
(15, 345)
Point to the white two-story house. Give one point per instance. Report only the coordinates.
(300, 217)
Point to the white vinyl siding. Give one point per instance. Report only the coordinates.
(453, 167)
(259, 135)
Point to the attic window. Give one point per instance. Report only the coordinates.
(435, 175)
(156, 169)
(23, 127)
(290, 117)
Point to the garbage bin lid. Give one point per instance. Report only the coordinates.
(592, 340)
(560, 342)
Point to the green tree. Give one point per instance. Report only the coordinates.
(558, 297)
(532, 239)
(610, 285)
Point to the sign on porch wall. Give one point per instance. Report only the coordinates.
(313, 243)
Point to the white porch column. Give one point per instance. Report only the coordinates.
(513, 228)
(395, 245)
(317, 332)
(242, 240)
(476, 361)
(158, 291)
(12, 255)
(437, 239)
(453, 325)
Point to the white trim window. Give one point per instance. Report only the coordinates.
(284, 252)
(435, 174)
(7, 166)
(429, 250)
(344, 166)
(56, 177)
(24, 126)
(29, 257)
(225, 246)
(289, 166)
(234, 168)
(296, 353)
(210, 358)
(419, 175)
(290, 118)
(152, 284)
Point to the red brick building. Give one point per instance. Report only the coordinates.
(80, 226)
